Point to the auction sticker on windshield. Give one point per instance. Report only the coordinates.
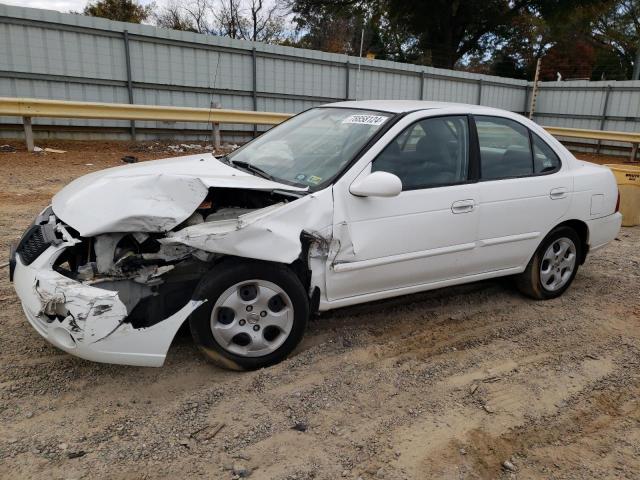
(365, 119)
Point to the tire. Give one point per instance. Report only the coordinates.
(547, 275)
(254, 316)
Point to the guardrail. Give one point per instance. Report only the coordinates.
(28, 108)
(625, 137)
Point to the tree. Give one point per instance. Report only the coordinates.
(173, 17)
(582, 38)
(122, 10)
(618, 28)
(336, 26)
(255, 20)
(446, 30)
(571, 59)
(514, 48)
(329, 32)
(197, 11)
(265, 23)
(561, 31)
(228, 19)
(430, 32)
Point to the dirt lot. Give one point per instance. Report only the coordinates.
(446, 384)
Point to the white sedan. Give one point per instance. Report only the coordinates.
(342, 204)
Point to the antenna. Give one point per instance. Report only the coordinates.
(359, 62)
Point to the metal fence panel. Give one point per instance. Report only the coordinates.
(46, 54)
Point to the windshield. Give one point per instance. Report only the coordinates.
(312, 147)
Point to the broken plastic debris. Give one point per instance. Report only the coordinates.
(54, 150)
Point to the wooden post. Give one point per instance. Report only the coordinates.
(634, 152)
(534, 94)
(28, 133)
(215, 126)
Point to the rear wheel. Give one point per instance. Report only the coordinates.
(255, 315)
(553, 267)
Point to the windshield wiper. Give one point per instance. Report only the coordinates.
(252, 168)
(261, 173)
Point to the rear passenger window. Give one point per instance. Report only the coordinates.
(545, 159)
(505, 150)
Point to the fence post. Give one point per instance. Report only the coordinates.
(346, 93)
(127, 56)
(534, 92)
(28, 133)
(215, 127)
(479, 101)
(422, 85)
(604, 114)
(255, 87)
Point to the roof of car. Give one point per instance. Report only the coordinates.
(398, 106)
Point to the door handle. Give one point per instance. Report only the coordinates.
(558, 193)
(463, 206)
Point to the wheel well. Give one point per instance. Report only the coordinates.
(582, 230)
(298, 266)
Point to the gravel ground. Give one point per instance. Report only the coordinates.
(468, 382)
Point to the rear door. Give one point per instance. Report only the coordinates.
(523, 192)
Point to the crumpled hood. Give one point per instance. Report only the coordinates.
(151, 196)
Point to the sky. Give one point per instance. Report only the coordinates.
(59, 5)
(67, 6)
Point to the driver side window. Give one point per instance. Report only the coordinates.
(430, 153)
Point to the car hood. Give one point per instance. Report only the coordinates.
(151, 196)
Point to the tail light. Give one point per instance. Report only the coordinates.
(618, 203)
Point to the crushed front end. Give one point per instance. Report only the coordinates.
(116, 298)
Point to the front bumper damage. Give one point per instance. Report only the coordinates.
(88, 321)
(121, 297)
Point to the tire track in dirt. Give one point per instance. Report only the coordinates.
(381, 390)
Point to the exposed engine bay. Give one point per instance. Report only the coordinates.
(110, 270)
(153, 274)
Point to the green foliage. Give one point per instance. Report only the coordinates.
(582, 38)
(617, 29)
(596, 39)
(446, 30)
(121, 10)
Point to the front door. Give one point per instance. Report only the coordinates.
(424, 235)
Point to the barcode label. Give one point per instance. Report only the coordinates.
(365, 119)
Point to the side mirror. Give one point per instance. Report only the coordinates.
(377, 184)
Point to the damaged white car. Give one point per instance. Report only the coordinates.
(342, 204)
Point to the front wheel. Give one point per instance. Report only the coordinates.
(255, 315)
(553, 267)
